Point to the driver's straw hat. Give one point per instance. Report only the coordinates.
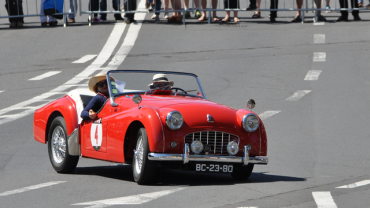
(95, 79)
(160, 78)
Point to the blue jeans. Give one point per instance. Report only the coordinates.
(73, 8)
(103, 6)
(158, 4)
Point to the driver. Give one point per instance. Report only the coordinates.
(99, 85)
(161, 82)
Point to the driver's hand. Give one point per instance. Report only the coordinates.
(92, 114)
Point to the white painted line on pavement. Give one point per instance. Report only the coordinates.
(313, 75)
(319, 56)
(298, 95)
(103, 56)
(29, 188)
(319, 23)
(324, 199)
(318, 38)
(84, 59)
(355, 185)
(135, 199)
(267, 114)
(1, 91)
(46, 75)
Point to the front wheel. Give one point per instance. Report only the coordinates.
(61, 161)
(143, 169)
(242, 172)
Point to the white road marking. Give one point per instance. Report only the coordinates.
(103, 56)
(313, 75)
(46, 75)
(84, 59)
(319, 23)
(355, 185)
(298, 95)
(267, 114)
(29, 188)
(135, 199)
(319, 56)
(318, 38)
(1, 91)
(324, 199)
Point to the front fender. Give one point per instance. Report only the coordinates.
(44, 116)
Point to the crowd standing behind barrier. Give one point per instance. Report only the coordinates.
(51, 10)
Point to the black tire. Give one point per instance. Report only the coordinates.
(61, 161)
(142, 168)
(242, 172)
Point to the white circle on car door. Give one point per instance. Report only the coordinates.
(96, 136)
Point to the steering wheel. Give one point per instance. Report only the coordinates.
(177, 89)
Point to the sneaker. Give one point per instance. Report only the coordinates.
(166, 15)
(197, 14)
(187, 15)
(96, 19)
(154, 16)
(328, 9)
(151, 8)
(19, 24)
(157, 19)
(297, 19)
(342, 18)
(127, 21)
(13, 24)
(320, 18)
(53, 23)
(356, 18)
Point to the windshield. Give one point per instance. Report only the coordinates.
(130, 81)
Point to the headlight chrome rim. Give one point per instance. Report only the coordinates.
(171, 120)
(249, 125)
(196, 147)
(233, 148)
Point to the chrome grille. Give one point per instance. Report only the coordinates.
(217, 140)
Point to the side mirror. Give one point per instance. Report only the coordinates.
(137, 99)
(251, 104)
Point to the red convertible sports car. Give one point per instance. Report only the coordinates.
(148, 125)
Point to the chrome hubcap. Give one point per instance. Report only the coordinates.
(139, 155)
(58, 146)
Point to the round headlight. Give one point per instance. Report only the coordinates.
(232, 148)
(250, 122)
(196, 147)
(174, 120)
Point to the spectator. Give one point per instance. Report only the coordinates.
(257, 13)
(177, 17)
(273, 14)
(130, 5)
(344, 14)
(298, 17)
(231, 4)
(94, 6)
(116, 7)
(72, 8)
(14, 8)
(157, 10)
(48, 18)
(214, 6)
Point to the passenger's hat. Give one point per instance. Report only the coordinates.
(95, 79)
(160, 78)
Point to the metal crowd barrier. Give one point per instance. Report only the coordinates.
(92, 8)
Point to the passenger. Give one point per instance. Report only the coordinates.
(160, 81)
(99, 85)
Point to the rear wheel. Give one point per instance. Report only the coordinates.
(242, 172)
(61, 161)
(143, 169)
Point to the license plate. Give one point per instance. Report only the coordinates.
(213, 168)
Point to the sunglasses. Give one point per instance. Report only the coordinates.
(102, 83)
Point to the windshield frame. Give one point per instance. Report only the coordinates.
(113, 96)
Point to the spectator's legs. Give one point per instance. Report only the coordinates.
(318, 5)
(344, 4)
(116, 7)
(73, 8)
(158, 6)
(214, 6)
(131, 6)
(299, 4)
(203, 6)
(14, 8)
(103, 7)
(176, 5)
(94, 6)
(165, 6)
(273, 14)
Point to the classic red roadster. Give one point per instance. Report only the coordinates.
(175, 127)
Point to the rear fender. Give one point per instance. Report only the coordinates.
(44, 116)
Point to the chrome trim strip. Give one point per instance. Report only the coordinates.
(246, 155)
(73, 145)
(186, 155)
(205, 158)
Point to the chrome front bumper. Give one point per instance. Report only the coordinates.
(186, 157)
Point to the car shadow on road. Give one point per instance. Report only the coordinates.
(165, 177)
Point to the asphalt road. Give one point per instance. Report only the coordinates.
(313, 98)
